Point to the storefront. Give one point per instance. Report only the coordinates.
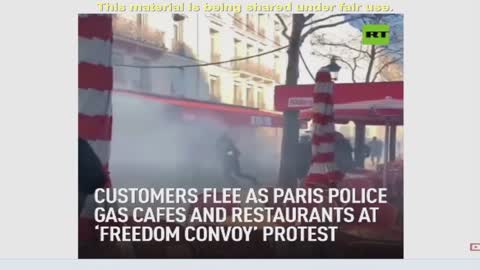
(379, 103)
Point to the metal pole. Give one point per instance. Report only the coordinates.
(359, 144)
(393, 142)
(385, 153)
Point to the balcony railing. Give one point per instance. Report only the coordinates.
(129, 29)
(256, 69)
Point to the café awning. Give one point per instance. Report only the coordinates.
(368, 103)
(192, 110)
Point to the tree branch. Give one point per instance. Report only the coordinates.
(313, 29)
(324, 19)
(285, 27)
(308, 17)
(384, 66)
(320, 42)
(389, 52)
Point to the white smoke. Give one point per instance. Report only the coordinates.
(153, 146)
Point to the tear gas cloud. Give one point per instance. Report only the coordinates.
(153, 146)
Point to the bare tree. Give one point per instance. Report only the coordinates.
(373, 59)
(303, 25)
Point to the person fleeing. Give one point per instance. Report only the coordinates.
(304, 158)
(229, 158)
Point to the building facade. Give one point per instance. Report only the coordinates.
(145, 40)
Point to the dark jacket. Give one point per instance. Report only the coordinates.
(343, 155)
(304, 158)
(90, 171)
(228, 153)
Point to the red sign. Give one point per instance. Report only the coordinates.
(298, 97)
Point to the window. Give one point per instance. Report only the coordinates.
(142, 27)
(250, 24)
(250, 51)
(261, 24)
(237, 94)
(141, 80)
(142, 20)
(276, 63)
(178, 31)
(237, 48)
(118, 72)
(260, 99)
(215, 94)
(214, 45)
(237, 53)
(250, 96)
(276, 32)
(238, 20)
(260, 51)
(177, 43)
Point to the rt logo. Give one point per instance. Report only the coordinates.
(376, 34)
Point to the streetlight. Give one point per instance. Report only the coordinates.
(177, 17)
(333, 68)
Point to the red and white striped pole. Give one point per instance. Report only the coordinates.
(95, 83)
(323, 171)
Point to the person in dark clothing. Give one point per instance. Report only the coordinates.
(229, 158)
(91, 177)
(90, 172)
(304, 156)
(343, 153)
(376, 150)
